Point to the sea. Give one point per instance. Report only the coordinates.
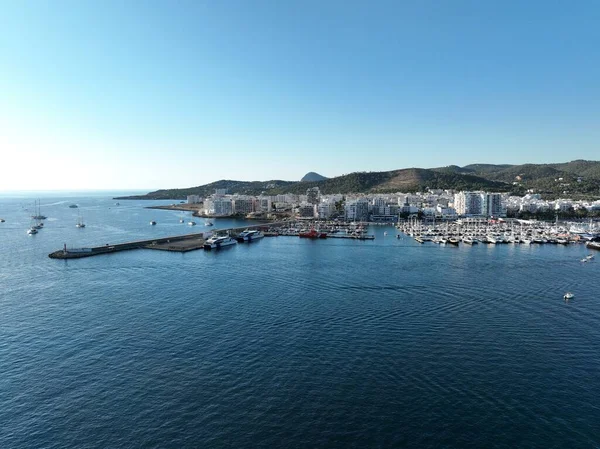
(288, 342)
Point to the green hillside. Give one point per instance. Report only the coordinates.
(575, 179)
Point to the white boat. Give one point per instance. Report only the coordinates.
(469, 240)
(249, 235)
(32, 231)
(568, 295)
(2, 220)
(208, 223)
(152, 222)
(192, 223)
(217, 242)
(181, 220)
(589, 256)
(593, 245)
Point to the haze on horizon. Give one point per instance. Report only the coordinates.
(130, 95)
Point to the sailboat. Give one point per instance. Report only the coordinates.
(80, 223)
(39, 215)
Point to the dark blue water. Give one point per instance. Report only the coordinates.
(288, 342)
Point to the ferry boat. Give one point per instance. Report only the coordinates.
(216, 242)
(249, 236)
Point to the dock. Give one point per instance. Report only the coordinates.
(177, 243)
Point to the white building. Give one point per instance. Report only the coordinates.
(325, 209)
(264, 204)
(244, 205)
(468, 203)
(357, 210)
(194, 199)
(219, 207)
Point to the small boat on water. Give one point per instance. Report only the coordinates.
(589, 256)
(73, 206)
(593, 245)
(152, 223)
(217, 242)
(192, 223)
(568, 295)
(208, 223)
(32, 231)
(181, 220)
(2, 220)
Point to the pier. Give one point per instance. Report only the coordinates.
(177, 243)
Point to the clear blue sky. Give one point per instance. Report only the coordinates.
(144, 94)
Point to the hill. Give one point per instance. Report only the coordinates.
(575, 179)
(312, 176)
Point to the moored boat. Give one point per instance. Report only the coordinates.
(217, 242)
(249, 235)
(593, 245)
(312, 234)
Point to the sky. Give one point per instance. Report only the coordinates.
(164, 94)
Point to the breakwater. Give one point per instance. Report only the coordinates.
(178, 243)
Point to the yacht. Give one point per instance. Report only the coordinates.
(216, 242)
(469, 240)
(249, 236)
(593, 245)
(453, 241)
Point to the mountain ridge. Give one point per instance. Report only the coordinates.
(578, 178)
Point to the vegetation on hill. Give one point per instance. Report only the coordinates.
(576, 179)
